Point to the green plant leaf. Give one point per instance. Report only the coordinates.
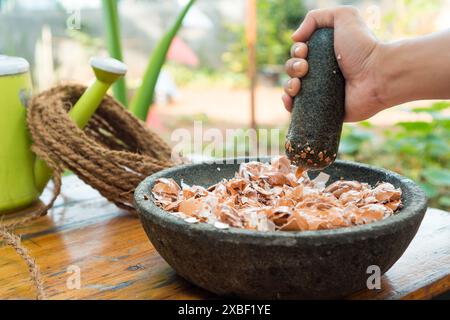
(143, 98)
(438, 177)
(362, 135)
(366, 124)
(444, 122)
(348, 147)
(416, 126)
(111, 18)
(435, 107)
(438, 147)
(430, 190)
(444, 201)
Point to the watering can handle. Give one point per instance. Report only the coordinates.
(107, 71)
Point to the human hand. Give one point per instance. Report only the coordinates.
(357, 53)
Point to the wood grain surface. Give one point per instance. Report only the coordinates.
(116, 260)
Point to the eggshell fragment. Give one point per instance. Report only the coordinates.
(278, 196)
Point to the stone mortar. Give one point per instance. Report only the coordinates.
(242, 263)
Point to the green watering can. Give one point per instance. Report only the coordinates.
(23, 177)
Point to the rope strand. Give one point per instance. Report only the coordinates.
(112, 154)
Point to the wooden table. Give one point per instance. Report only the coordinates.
(116, 261)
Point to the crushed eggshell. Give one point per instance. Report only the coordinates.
(191, 220)
(221, 225)
(278, 196)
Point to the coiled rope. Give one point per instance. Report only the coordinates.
(113, 154)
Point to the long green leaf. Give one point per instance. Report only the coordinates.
(143, 98)
(111, 16)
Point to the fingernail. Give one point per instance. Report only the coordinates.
(299, 27)
(297, 66)
(293, 34)
(297, 50)
(289, 84)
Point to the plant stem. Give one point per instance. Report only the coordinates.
(111, 16)
(143, 98)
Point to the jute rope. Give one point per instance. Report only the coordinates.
(113, 154)
(14, 241)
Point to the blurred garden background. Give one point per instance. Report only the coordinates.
(206, 74)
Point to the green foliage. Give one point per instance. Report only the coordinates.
(276, 20)
(353, 139)
(419, 150)
(235, 58)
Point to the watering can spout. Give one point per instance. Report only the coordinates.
(107, 71)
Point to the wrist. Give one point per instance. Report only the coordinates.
(386, 71)
(412, 69)
(376, 79)
(407, 70)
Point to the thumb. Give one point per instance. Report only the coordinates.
(315, 19)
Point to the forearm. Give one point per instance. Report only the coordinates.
(414, 69)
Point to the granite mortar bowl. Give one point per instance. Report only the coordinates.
(242, 263)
